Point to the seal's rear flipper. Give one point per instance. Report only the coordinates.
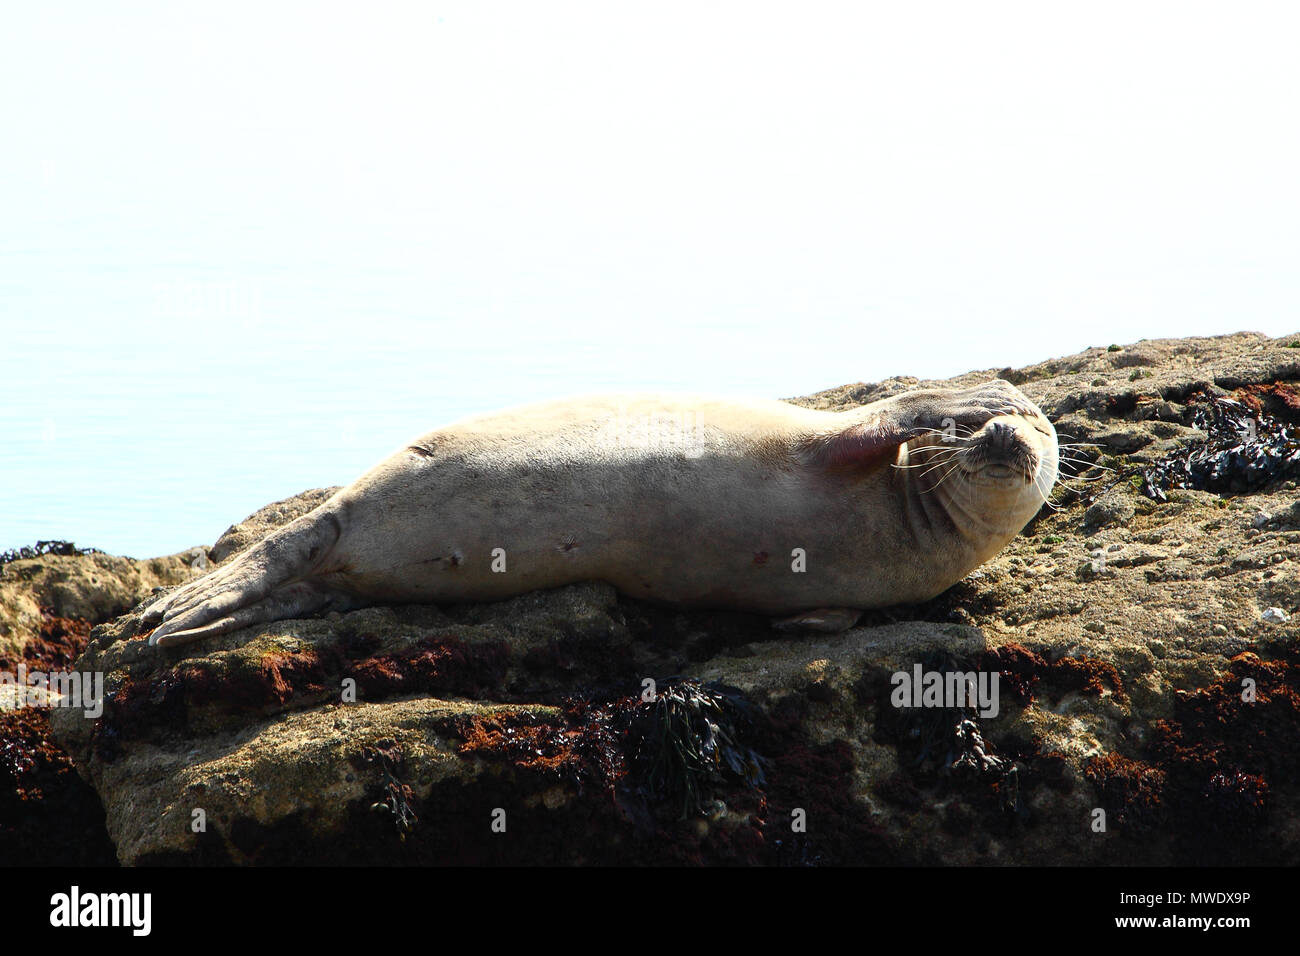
(267, 582)
(294, 600)
(827, 620)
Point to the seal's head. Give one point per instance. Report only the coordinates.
(1002, 471)
(1011, 450)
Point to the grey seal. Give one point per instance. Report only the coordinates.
(694, 501)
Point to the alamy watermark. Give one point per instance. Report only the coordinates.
(74, 689)
(211, 299)
(76, 908)
(676, 430)
(977, 690)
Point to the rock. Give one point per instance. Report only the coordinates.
(1125, 440)
(1275, 615)
(1129, 358)
(1114, 507)
(253, 734)
(88, 587)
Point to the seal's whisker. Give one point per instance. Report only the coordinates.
(920, 464)
(935, 466)
(1046, 495)
(945, 476)
(1083, 461)
(944, 454)
(945, 434)
(937, 482)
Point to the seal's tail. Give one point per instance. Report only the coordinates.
(268, 582)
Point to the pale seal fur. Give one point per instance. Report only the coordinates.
(702, 502)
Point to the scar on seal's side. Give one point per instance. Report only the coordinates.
(668, 498)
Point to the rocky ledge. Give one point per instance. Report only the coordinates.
(1145, 651)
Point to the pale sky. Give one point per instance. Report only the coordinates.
(428, 209)
(899, 186)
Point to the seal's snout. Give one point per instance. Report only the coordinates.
(1002, 435)
(1001, 450)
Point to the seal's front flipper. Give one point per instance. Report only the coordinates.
(827, 620)
(862, 446)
